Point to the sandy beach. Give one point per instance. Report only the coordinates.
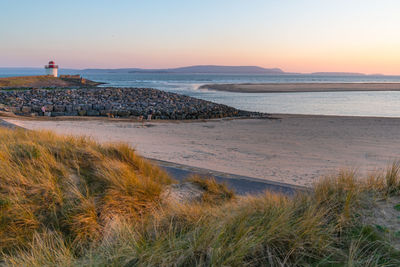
(292, 149)
(301, 87)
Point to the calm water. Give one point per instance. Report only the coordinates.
(385, 104)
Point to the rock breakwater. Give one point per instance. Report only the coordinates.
(115, 102)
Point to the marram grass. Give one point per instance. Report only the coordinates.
(69, 201)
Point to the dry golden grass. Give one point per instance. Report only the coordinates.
(68, 201)
(70, 185)
(214, 192)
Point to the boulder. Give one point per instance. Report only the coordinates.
(26, 109)
(92, 113)
(57, 114)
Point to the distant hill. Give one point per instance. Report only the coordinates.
(226, 69)
(201, 69)
(338, 73)
(207, 69)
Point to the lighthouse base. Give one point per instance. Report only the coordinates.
(52, 72)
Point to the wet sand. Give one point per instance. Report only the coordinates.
(294, 149)
(301, 87)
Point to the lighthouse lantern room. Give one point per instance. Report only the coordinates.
(51, 69)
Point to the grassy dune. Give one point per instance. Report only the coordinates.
(69, 201)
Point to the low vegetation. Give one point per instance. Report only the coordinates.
(30, 81)
(69, 201)
(43, 81)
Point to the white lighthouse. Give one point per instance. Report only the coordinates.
(52, 69)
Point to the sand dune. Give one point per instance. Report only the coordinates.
(293, 149)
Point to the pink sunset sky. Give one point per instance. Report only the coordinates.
(296, 36)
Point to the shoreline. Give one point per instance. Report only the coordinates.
(301, 87)
(242, 185)
(269, 116)
(288, 149)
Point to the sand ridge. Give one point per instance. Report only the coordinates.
(301, 87)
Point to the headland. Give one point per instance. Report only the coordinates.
(46, 81)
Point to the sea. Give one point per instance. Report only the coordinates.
(379, 104)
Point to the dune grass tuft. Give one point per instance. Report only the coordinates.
(69, 185)
(214, 192)
(69, 201)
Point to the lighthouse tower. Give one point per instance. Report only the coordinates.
(51, 69)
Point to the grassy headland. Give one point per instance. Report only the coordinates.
(69, 201)
(44, 81)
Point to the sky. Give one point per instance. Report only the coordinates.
(294, 35)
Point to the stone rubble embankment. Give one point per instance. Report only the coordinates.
(115, 102)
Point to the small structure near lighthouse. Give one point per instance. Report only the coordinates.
(51, 69)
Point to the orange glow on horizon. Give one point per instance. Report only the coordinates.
(296, 36)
